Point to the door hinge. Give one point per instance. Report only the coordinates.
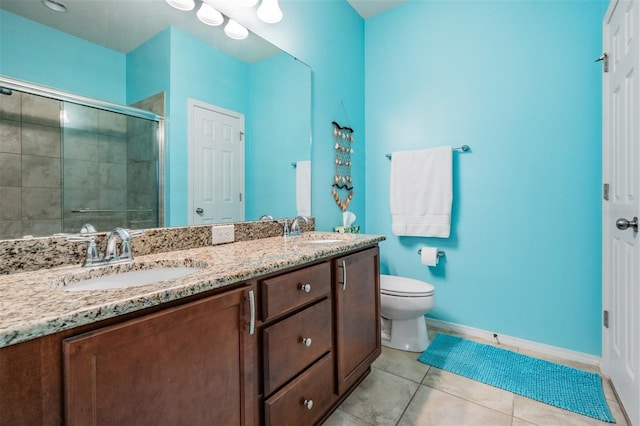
(241, 135)
(605, 318)
(605, 62)
(605, 191)
(240, 197)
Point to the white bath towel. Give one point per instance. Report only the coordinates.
(421, 192)
(303, 188)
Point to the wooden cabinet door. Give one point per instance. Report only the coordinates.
(357, 298)
(190, 365)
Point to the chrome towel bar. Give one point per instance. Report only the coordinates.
(463, 148)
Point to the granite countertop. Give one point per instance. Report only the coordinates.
(33, 305)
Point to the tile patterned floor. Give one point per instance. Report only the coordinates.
(402, 391)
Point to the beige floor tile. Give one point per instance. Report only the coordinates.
(380, 399)
(433, 407)
(401, 363)
(609, 393)
(485, 395)
(391, 395)
(341, 418)
(558, 360)
(519, 422)
(544, 414)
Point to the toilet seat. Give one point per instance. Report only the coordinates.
(404, 287)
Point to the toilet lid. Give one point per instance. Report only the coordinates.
(401, 286)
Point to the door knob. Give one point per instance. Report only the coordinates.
(199, 210)
(623, 224)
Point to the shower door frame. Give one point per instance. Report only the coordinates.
(52, 93)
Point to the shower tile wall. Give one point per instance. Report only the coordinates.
(30, 167)
(57, 157)
(95, 167)
(142, 173)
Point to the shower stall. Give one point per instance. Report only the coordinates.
(66, 161)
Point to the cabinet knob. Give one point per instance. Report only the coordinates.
(306, 341)
(305, 287)
(308, 403)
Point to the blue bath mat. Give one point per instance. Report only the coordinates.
(558, 385)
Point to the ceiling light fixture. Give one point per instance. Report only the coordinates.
(247, 3)
(55, 5)
(269, 12)
(235, 30)
(182, 4)
(209, 15)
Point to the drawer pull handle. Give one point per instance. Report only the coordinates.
(306, 341)
(305, 287)
(344, 275)
(308, 403)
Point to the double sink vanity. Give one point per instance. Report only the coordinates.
(260, 331)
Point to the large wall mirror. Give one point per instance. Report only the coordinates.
(134, 52)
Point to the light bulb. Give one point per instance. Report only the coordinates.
(235, 30)
(182, 4)
(270, 12)
(247, 3)
(208, 14)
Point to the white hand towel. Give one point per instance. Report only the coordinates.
(303, 188)
(421, 192)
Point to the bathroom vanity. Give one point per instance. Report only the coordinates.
(266, 332)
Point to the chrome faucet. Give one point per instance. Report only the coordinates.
(266, 217)
(125, 245)
(295, 225)
(88, 228)
(110, 254)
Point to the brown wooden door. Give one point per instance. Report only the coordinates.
(357, 296)
(190, 365)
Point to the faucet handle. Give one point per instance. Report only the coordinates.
(135, 233)
(91, 255)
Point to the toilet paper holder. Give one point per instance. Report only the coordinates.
(439, 253)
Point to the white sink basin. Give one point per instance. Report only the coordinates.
(321, 242)
(130, 279)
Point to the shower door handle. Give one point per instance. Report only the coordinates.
(199, 210)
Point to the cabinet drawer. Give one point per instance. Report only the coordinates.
(314, 386)
(286, 353)
(294, 289)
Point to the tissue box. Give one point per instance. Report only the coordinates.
(355, 229)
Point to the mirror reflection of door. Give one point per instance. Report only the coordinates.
(216, 164)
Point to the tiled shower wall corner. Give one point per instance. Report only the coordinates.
(142, 170)
(30, 167)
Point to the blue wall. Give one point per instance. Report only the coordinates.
(149, 67)
(328, 36)
(204, 73)
(516, 81)
(278, 134)
(80, 67)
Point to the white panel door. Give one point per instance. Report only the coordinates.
(216, 147)
(621, 248)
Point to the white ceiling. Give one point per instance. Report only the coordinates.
(122, 25)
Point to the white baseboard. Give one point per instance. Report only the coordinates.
(541, 348)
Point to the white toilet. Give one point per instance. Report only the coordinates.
(404, 302)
